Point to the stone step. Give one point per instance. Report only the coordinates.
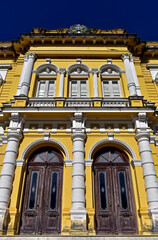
(139, 237)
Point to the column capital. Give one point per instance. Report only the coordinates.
(142, 134)
(31, 55)
(76, 135)
(95, 71)
(125, 56)
(62, 70)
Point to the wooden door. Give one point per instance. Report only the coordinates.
(114, 202)
(41, 212)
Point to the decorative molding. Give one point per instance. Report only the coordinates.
(116, 142)
(136, 162)
(78, 69)
(39, 142)
(68, 163)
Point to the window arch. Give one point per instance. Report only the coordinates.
(78, 80)
(46, 84)
(110, 77)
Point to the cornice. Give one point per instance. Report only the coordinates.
(114, 37)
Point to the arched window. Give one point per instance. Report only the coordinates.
(78, 81)
(46, 81)
(110, 77)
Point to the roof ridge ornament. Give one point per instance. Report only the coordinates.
(78, 29)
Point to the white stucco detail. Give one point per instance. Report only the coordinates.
(147, 162)
(39, 142)
(61, 87)
(95, 81)
(135, 77)
(116, 142)
(78, 211)
(9, 162)
(3, 72)
(22, 76)
(129, 75)
(28, 72)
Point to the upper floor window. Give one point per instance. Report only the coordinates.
(78, 80)
(110, 77)
(78, 88)
(46, 88)
(111, 88)
(46, 81)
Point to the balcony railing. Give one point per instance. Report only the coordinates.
(82, 102)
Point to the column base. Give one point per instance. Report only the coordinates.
(78, 221)
(154, 218)
(3, 221)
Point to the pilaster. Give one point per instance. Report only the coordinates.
(147, 162)
(61, 86)
(27, 75)
(130, 81)
(14, 136)
(78, 211)
(95, 82)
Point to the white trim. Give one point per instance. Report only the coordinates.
(68, 163)
(73, 67)
(136, 163)
(88, 162)
(112, 66)
(39, 142)
(118, 142)
(46, 65)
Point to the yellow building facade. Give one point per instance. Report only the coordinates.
(78, 133)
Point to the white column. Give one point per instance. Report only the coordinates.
(26, 82)
(22, 76)
(130, 81)
(78, 211)
(135, 77)
(147, 162)
(95, 81)
(61, 86)
(7, 173)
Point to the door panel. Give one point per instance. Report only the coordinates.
(31, 212)
(104, 201)
(41, 212)
(51, 205)
(114, 203)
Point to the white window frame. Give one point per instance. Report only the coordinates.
(78, 87)
(111, 88)
(46, 81)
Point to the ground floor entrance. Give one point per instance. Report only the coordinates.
(41, 212)
(114, 202)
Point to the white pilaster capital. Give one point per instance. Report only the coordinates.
(31, 56)
(95, 71)
(78, 122)
(76, 135)
(62, 71)
(25, 58)
(141, 121)
(125, 56)
(142, 135)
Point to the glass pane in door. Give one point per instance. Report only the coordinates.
(33, 190)
(53, 190)
(102, 190)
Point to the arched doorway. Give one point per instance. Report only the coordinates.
(41, 212)
(114, 201)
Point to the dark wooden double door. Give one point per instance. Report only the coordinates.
(114, 202)
(41, 213)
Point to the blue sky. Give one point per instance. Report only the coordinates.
(136, 16)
